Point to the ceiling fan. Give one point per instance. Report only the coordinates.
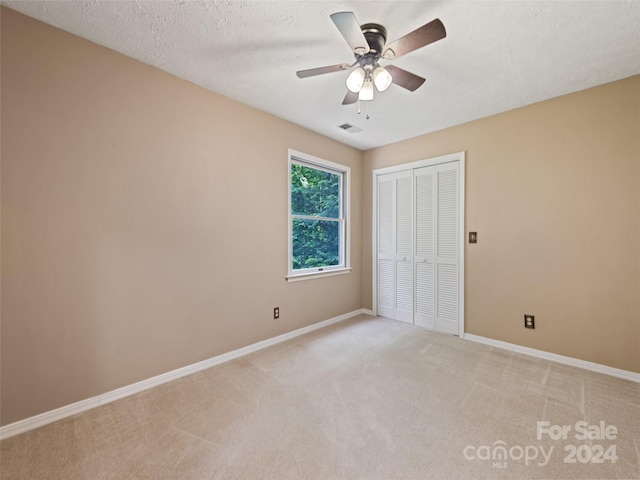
(368, 43)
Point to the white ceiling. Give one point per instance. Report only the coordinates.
(497, 55)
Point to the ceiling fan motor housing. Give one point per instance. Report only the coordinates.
(376, 36)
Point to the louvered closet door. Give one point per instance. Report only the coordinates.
(417, 245)
(404, 246)
(424, 181)
(395, 246)
(386, 278)
(446, 254)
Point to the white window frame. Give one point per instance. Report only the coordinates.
(345, 237)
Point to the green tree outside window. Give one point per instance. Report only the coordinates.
(316, 217)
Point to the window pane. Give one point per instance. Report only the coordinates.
(314, 192)
(316, 243)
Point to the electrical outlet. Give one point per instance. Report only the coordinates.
(529, 321)
(276, 312)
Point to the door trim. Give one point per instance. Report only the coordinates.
(451, 157)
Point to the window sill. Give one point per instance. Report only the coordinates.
(308, 276)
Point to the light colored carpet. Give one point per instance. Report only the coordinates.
(368, 399)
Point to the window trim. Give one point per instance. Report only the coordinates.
(295, 157)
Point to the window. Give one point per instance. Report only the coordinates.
(318, 211)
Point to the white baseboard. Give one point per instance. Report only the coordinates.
(45, 418)
(574, 362)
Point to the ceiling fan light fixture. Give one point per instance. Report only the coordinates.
(355, 80)
(382, 79)
(366, 92)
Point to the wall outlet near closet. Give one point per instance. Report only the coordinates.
(529, 321)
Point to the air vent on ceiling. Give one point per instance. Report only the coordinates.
(349, 128)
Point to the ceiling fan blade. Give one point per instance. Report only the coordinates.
(350, 30)
(350, 98)
(426, 34)
(312, 72)
(404, 79)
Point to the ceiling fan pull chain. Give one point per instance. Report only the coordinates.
(367, 107)
(358, 106)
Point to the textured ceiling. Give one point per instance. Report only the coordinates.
(497, 55)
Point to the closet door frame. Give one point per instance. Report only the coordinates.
(452, 157)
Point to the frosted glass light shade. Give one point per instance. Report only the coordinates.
(366, 92)
(382, 79)
(355, 80)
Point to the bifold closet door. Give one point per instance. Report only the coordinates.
(418, 269)
(386, 278)
(395, 277)
(425, 311)
(447, 256)
(436, 259)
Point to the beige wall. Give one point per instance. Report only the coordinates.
(553, 191)
(144, 222)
